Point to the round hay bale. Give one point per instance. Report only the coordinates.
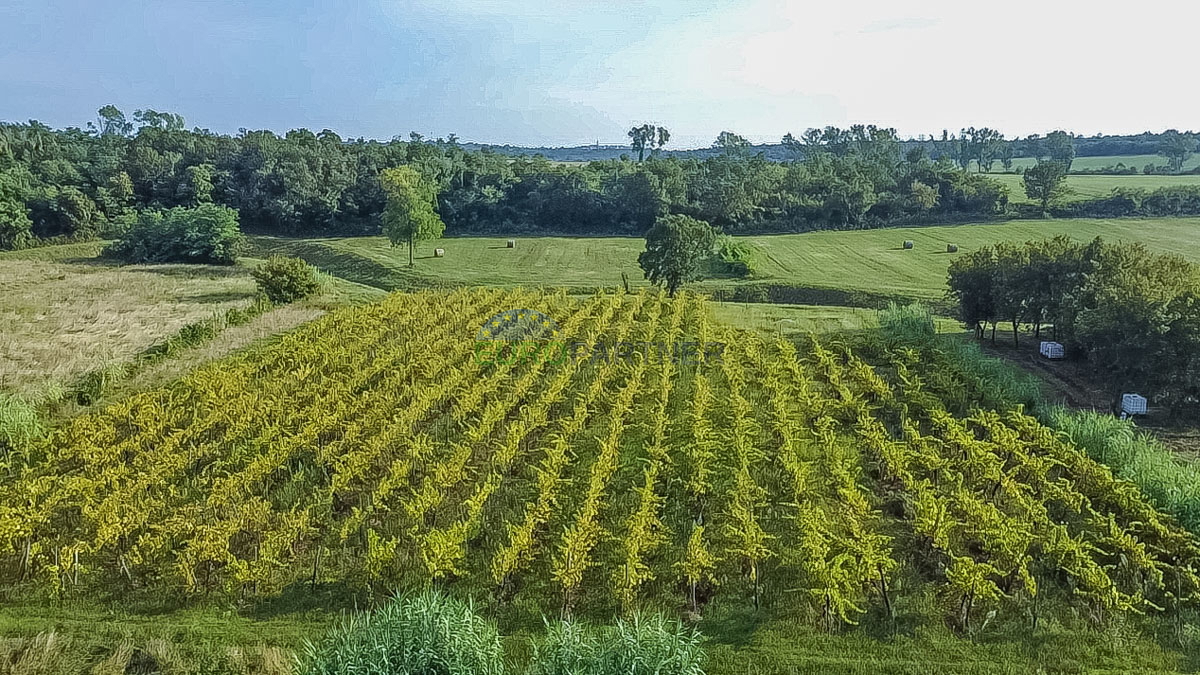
(908, 244)
(512, 243)
(439, 253)
(951, 248)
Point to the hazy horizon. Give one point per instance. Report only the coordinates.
(503, 72)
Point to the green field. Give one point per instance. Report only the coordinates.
(1093, 187)
(868, 261)
(1137, 161)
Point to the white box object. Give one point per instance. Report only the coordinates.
(439, 253)
(1132, 404)
(1053, 350)
(512, 243)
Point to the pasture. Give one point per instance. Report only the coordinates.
(870, 261)
(1094, 187)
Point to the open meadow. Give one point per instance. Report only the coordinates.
(1095, 187)
(869, 261)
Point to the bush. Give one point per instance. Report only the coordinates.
(642, 646)
(735, 257)
(907, 325)
(413, 635)
(205, 234)
(285, 279)
(19, 422)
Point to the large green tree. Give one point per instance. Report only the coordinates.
(1177, 148)
(409, 215)
(1059, 146)
(675, 248)
(1045, 183)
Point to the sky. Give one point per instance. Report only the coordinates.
(574, 72)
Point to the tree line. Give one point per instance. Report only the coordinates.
(1134, 314)
(79, 183)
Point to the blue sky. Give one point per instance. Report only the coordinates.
(577, 71)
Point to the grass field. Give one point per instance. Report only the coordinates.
(66, 311)
(62, 315)
(1092, 187)
(871, 261)
(1137, 161)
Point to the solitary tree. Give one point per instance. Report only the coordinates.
(675, 248)
(409, 215)
(648, 137)
(731, 143)
(1045, 183)
(1177, 148)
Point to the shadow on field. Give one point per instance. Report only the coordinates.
(303, 597)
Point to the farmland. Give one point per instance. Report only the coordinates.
(1094, 187)
(867, 260)
(381, 448)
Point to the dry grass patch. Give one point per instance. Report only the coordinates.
(60, 319)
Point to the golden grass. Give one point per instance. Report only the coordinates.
(59, 319)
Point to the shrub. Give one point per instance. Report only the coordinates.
(413, 635)
(641, 646)
(205, 234)
(907, 325)
(19, 422)
(285, 279)
(735, 257)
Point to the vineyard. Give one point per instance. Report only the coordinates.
(373, 448)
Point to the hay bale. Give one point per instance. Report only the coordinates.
(439, 253)
(951, 248)
(908, 244)
(512, 243)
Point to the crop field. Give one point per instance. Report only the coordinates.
(861, 260)
(665, 460)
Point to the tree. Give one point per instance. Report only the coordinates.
(648, 137)
(113, 122)
(15, 226)
(731, 143)
(1059, 146)
(1045, 183)
(1005, 155)
(675, 248)
(971, 283)
(409, 214)
(1177, 148)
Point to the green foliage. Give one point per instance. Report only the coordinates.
(409, 215)
(1045, 183)
(909, 325)
(205, 234)
(642, 645)
(19, 422)
(15, 226)
(675, 247)
(736, 258)
(1171, 483)
(420, 634)
(285, 279)
(1135, 312)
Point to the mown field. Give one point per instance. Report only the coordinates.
(869, 261)
(390, 447)
(1137, 161)
(1093, 187)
